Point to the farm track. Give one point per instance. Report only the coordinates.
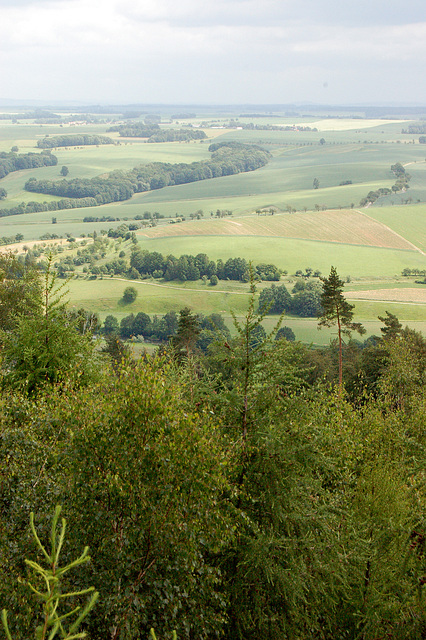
(168, 286)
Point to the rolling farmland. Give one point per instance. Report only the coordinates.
(313, 227)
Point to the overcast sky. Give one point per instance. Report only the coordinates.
(213, 51)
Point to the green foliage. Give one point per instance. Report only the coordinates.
(337, 311)
(129, 295)
(154, 637)
(45, 347)
(13, 162)
(274, 471)
(72, 140)
(20, 291)
(51, 578)
(155, 483)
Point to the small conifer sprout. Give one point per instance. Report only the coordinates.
(54, 622)
(154, 637)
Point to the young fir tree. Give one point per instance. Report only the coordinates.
(49, 588)
(46, 347)
(337, 311)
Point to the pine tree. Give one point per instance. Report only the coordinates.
(337, 311)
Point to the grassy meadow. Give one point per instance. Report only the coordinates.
(369, 246)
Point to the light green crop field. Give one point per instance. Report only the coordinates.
(409, 221)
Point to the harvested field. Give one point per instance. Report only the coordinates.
(343, 226)
(411, 296)
(349, 124)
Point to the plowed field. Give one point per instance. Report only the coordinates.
(411, 296)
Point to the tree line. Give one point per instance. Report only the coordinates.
(75, 140)
(189, 267)
(226, 159)
(177, 135)
(237, 494)
(53, 205)
(401, 184)
(155, 134)
(420, 127)
(17, 161)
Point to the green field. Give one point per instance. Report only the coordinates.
(358, 150)
(104, 297)
(290, 254)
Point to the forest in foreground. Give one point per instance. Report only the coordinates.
(259, 491)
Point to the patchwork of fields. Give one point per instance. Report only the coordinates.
(347, 157)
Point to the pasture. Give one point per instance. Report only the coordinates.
(293, 254)
(104, 296)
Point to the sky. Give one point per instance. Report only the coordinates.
(213, 52)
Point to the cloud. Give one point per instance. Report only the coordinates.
(224, 44)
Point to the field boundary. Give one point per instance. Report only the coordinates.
(394, 232)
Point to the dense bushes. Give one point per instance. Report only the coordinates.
(177, 135)
(401, 184)
(305, 301)
(227, 496)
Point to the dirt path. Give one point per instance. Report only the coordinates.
(167, 286)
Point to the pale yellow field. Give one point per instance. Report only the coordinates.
(410, 296)
(342, 226)
(343, 124)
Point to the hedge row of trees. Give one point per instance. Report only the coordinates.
(74, 140)
(250, 126)
(11, 239)
(53, 205)
(413, 272)
(135, 130)
(415, 128)
(401, 184)
(29, 115)
(155, 134)
(226, 159)
(177, 135)
(16, 162)
(229, 495)
(189, 267)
